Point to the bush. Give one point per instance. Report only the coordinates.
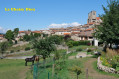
(79, 49)
(84, 42)
(70, 44)
(89, 44)
(89, 50)
(18, 50)
(75, 43)
(15, 41)
(76, 69)
(27, 48)
(12, 51)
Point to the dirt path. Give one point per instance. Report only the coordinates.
(93, 73)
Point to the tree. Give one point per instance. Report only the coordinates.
(9, 35)
(26, 37)
(16, 31)
(56, 39)
(43, 47)
(108, 31)
(3, 47)
(37, 35)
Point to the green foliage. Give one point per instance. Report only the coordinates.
(15, 41)
(79, 49)
(56, 39)
(84, 42)
(117, 67)
(76, 69)
(77, 43)
(27, 48)
(69, 44)
(45, 35)
(9, 35)
(108, 31)
(67, 38)
(37, 35)
(43, 47)
(12, 51)
(89, 50)
(10, 43)
(3, 47)
(105, 62)
(57, 55)
(15, 32)
(26, 37)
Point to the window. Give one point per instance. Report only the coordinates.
(93, 13)
(90, 37)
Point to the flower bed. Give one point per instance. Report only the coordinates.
(105, 68)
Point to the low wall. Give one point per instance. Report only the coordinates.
(105, 68)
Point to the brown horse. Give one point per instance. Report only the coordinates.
(37, 59)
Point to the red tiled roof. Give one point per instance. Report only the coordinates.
(36, 32)
(89, 29)
(75, 32)
(1, 35)
(21, 31)
(97, 18)
(67, 33)
(75, 29)
(86, 25)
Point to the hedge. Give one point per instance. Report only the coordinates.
(77, 43)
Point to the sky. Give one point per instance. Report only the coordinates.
(47, 14)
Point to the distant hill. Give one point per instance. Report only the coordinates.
(2, 33)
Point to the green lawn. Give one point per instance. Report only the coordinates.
(13, 69)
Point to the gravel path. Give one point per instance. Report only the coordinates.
(93, 73)
(19, 57)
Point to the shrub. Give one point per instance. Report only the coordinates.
(89, 44)
(89, 50)
(27, 48)
(12, 51)
(70, 44)
(84, 42)
(79, 49)
(75, 43)
(77, 70)
(18, 50)
(15, 41)
(117, 67)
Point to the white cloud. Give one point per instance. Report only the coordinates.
(2, 30)
(53, 25)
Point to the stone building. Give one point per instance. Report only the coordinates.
(92, 18)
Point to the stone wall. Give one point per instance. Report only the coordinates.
(105, 68)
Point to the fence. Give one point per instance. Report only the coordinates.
(42, 72)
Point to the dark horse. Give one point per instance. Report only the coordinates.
(32, 59)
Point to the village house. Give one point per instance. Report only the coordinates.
(2, 39)
(83, 32)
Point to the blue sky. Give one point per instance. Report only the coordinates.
(48, 12)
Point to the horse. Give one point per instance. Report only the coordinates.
(32, 59)
(37, 59)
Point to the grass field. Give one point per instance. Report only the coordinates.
(13, 69)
